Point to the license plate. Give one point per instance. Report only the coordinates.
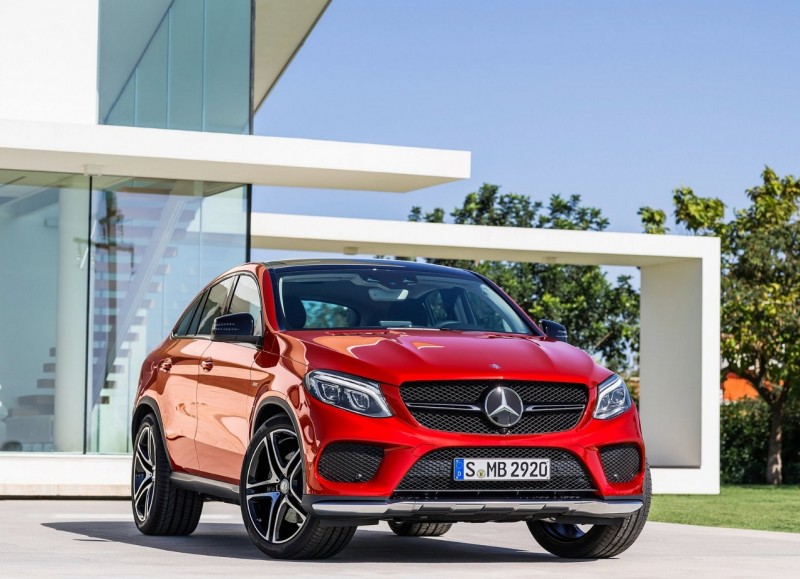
(501, 469)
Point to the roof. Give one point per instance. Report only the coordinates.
(372, 263)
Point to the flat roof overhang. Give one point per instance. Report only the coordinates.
(270, 161)
(281, 27)
(453, 241)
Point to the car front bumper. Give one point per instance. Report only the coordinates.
(405, 443)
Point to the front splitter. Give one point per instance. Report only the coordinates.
(475, 510)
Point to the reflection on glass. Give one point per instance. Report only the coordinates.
(155, 244)
(184, 64)
(43, 281)
(148, 248)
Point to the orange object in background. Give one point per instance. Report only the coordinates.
(736, 388)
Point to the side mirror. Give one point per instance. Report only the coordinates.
(235, 328)
(554, 330)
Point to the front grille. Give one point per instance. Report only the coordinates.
(548, 400)
(621, 463)
(350, 462)
(433, 474)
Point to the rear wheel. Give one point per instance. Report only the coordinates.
(419, 529)
(159, 507)
(592, 541)
(271, 490)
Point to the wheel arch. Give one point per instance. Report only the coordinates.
(145, 406)
(273, 406)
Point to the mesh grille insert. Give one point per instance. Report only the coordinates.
(543, 395)
(350, 462)
(621, 463)
(433, 473)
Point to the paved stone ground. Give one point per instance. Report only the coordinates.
(98, 538)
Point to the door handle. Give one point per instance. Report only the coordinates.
(207, 364)
(165, 365)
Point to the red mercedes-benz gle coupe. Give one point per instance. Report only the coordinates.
(327, 394)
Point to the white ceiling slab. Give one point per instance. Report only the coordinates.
(276, 161)
(470, 242)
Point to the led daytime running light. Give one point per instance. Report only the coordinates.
(613, 398)
(348, 393)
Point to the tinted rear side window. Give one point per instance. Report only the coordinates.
(247, 300)
(214, 305)
(183, 325)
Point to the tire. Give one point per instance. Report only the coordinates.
(271, 490)
(599, 541)
(159, 507)
(419, 529)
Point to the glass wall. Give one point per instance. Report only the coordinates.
(154, 244)
(44, 224)
(93, 274)
(184, 64)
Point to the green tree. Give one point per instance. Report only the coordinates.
(601, 317)
(760, 299)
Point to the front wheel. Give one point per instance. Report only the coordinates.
(271, 491)
(593, 541)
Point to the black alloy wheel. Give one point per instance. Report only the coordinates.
(593, 541)
(271, 490)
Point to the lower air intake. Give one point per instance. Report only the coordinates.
(350, 462)
(621, 463)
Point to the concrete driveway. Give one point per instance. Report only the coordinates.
(98, 538)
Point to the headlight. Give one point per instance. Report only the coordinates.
(348, 393)
(612, 398)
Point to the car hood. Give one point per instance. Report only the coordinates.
(397, 356)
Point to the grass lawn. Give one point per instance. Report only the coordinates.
(759, 507)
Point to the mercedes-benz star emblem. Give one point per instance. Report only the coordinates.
(503, 407)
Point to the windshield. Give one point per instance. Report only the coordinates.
(349, 297)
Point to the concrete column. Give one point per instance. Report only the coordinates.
(680, 367)
(70, 397)
(671, 364)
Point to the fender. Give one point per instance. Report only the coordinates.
(273, 400)
(148, 405)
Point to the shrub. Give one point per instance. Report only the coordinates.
(744, 441)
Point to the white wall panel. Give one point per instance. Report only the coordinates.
(48, 68)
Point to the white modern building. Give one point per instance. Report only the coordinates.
(126, 171)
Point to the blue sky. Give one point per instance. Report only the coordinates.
(617, 101)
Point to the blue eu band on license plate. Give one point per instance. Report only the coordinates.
(501, 469)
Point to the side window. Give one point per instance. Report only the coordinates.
(247, 300)
(182, 327)
(214, 306)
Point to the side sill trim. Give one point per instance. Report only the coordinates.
(206, 486)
